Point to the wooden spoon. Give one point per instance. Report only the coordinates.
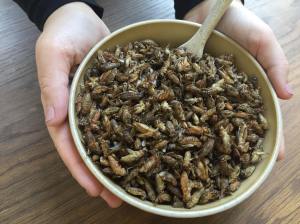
(197, 42)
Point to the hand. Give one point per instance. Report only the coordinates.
(68, 35)
(257, 37)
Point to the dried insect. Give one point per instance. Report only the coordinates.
(131, 175)
(108, 76)
(132, 156)
(139, 108)
(163, 95)
(225, 167)
(202, 171)
(149, 164)
(174, 190)
(242, 134)
(146, 131)
(160, 184)
(163, 198)
(86, 103)
(194, 198)
(92, 143)
(130, 95)
(183, 65)
(177, 203)
(207, 148)
(196, 184)
(234, 185)
(136, 192)
(103, 161)
(149, 189)
(208, 195)
(173, 77)
(179, 112)
(111, 110)
(205, 116)
(104, 147)
(165, 106)
(196, 130)
(169, 127)
(226, 141)
(168, 177)
(169, 160)
(115, 166)
(185, 186)
(161, 144)
(126, 115)
(247, 172)
(263, 121)
(189, 142)
(187, 160)
(137, 144)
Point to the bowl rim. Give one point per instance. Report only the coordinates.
(106, 182)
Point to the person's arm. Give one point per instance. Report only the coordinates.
(39, 10)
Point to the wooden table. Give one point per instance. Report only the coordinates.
(35, 186)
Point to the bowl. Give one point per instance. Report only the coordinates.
(175, 32)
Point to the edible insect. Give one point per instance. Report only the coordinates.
(169, 127)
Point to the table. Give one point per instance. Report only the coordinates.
(35, 186)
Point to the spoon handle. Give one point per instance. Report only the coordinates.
(197, 43)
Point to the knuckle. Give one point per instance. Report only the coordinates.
(285, 65)
(45, 88)
(47, 85)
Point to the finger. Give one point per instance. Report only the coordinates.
(281, 155)
(254, 35)
(53, 65)
(67, 151)
(69, 155)
(112, 200)
(271, 56)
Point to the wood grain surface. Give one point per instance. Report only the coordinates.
(35, 186)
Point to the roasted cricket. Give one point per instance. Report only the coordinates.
(170, 127)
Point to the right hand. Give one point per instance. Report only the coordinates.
(68, 35)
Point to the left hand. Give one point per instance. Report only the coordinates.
(62, 45)
(257, 37)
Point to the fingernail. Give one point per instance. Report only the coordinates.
(289, 89)
(49, 114)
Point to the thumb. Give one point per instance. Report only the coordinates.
(271, 56)
(258, 38)
(53, 65)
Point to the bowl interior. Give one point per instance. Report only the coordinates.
(175, 33)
